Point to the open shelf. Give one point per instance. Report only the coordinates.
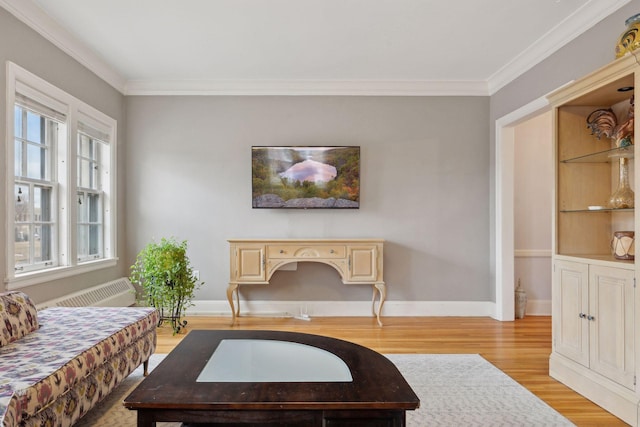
(606, 156)
(597, 210)
(600, 259)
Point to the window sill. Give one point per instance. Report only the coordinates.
(37, 277)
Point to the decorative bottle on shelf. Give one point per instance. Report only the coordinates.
(623, 197)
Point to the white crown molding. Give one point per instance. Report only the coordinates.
(307, 87)
(30, 14)
(584, 18)
(570, 28)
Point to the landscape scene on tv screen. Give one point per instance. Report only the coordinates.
(306, 177)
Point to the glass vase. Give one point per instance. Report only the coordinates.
(623, 197)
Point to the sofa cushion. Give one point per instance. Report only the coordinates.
(18, 316)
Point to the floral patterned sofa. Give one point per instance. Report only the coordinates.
(57, 363)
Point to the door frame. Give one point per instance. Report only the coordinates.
(504, 204)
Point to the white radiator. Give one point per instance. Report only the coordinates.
(117, 293)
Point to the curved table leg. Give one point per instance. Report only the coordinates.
(378, 288)
(235, 311)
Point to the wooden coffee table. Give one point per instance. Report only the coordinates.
(247, 391)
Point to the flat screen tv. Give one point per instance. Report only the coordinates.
(296, 177)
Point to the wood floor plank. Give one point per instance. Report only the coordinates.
(521, 349)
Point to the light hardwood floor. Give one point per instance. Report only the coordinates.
(520, 349)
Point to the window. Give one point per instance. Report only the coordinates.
(35, 137)
(62, 217)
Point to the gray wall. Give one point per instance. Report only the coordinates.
(424, 187)
(23, 46)
(428, 172)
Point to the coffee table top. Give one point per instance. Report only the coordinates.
(259, 361)
(375, 381)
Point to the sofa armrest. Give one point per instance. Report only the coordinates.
(18, 316)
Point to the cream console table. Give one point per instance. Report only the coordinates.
(358, 261)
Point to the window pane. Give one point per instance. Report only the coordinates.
(46, 242)
(17, 165)
(17, 121)
(93, 181)
(94, 239)
(35, 127)
(21, 245)
(36, 161)
(21, 197)
(83, 240)
(84, 173)
(87, 160)
(42, 204)
(84, 146)
(41, 242)
(94, 207)
(82, 208)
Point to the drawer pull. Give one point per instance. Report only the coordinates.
(332, 251)
(281, 251)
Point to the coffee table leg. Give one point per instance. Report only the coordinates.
(233, 287)
(145, 419)
(381, 289)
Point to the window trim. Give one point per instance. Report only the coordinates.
(27, 83)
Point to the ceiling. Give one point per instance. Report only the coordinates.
(462, 47)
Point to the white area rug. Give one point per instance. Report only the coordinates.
(454, 390)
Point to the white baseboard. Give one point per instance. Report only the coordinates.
(538, 308)
(345, 308)
(360, 308)
(532, 253)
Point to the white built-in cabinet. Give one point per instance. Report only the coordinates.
(595, 337)
(594, 318)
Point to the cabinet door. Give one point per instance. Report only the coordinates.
(362, 264)
(250, 263)
(611, 311)
(570, 307)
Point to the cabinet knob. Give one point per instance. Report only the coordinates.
(582, 316)
(281, 251)
(332, 251)
(590, 317)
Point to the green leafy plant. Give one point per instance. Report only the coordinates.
(163, 272)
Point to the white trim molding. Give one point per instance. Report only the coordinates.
(360, 308)
(538, 308)
(33, 16)
(532, 253)
(308, 87)
(504, 203)
(588, 15)
(344, 308)
(584, 18)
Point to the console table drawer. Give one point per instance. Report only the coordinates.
(319, 251)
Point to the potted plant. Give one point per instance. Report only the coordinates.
(164, 273)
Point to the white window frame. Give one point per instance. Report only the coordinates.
(30, 183)
(78, 114)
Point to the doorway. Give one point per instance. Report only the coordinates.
(504, 204)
